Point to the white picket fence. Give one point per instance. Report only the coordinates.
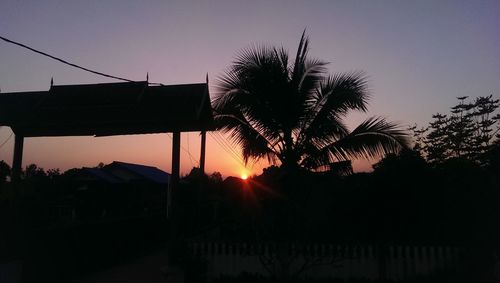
(353, 261)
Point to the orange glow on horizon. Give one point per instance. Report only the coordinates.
(151, 150)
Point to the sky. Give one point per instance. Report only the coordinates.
(419, 56)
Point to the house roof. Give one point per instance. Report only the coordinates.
(107, 109)
(139, 172)
(149, 173)
(102, 175)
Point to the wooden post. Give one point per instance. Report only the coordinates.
(202, 152)
(173, 253)
(18, 157)
(175, 176)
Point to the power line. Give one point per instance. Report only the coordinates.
(227, 150)
(225, 147)
(230, 150)
(229, 146)
(11, 134)
(63, 61)
(186, 151)
(72, 64)
(187, 145)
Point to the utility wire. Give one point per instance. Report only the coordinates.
(63, 61)
(71, 64)
(187, 145)
(227, 150)
(11, 134)
(186, 151)
(222, 146)
(230, 149)
(229, 146)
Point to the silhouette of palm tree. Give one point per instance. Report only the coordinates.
(295, 112)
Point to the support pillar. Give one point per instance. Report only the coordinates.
(18, 157)
(175, 175)
(202, 152)
(174, 241)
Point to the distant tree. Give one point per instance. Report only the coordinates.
(215, 177)
(438, 147)
(460, 130)
(70, 173)
(466, 133)
(408, 161)
(492, 157)
(4, 171)
(293, 112)
(32, 171)
(53, 173)
(194, 174)
(485, 121)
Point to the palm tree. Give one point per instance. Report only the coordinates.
(294, 112)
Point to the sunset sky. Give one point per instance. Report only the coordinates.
(419, 56)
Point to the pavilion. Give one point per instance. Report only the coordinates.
(108, 109)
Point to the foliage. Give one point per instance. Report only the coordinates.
(34, 172)
(492, 157)
(53, 173)
(4, 171)
(468, 132)
(407, 161)
(294, 111)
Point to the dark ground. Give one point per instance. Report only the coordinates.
(147, 269)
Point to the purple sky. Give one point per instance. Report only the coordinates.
(419, 56)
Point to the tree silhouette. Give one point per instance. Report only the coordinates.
(34, 172)
(293, 112)
(468, 132)
(4, 171)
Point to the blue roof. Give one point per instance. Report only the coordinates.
(150, 173)
(103, 175)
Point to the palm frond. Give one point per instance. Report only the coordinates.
(247, 87)
(294, 112)
(300, 56)
(331, 129)
(343, 92)
(329, 103)
(313, 72)
(374, 137)
(253, 143)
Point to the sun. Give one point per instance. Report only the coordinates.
(244, 176)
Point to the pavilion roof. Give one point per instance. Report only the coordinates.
(107, 109)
